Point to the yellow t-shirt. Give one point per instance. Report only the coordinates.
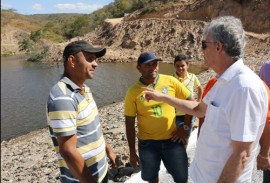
(190, 81)
(156, 120)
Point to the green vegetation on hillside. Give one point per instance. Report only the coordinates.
(62, 27)
(34, 46)
(12, 18)
(120, 7)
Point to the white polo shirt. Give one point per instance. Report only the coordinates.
(237, 108)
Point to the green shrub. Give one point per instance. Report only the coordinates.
(34, 47)
(26, 45)
(38, 54)
(36, 35)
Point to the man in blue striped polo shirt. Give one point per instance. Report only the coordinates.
(74, 121)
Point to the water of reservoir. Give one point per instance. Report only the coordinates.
(25, 87)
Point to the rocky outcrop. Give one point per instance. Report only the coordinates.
(254, 14)
(165, 37)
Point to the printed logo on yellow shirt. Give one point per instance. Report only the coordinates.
(165, 90)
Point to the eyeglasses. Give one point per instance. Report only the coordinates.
(204, 46)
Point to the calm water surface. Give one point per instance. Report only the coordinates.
(25, 87)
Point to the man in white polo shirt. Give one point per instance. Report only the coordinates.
(235, 108)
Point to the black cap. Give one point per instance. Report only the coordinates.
(81, 45)
(147, 57)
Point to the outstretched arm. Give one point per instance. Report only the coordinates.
(189, 107)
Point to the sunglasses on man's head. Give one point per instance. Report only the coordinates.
(204, 46)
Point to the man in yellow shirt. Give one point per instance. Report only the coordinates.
(156, 123)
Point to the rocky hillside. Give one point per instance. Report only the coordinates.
(177, 28)
(10, 37)
(14, 27)
(254, 14)
(165, 37)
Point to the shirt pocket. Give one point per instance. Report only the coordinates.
(213, 117)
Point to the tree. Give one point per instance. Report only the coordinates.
(36, 35)
(26, 45)
(79, 27)
(34, 46)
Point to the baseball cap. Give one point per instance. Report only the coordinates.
(147, 57)
(81, 45)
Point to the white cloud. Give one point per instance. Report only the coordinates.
(78, 7)
(37, 7)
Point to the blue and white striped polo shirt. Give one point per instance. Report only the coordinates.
(73, 111)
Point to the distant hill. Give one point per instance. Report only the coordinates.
(54, 17)
(15, 27)
(23, 22)
(33, 22)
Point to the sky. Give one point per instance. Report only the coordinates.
(29, 7)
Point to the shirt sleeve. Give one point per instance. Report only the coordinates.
(62, 116)
(268, 92)
(262, 73)
(180, 90)
(196, 81)
(130, 107)
(245, 115)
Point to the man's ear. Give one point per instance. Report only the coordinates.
(71, 61)
(219, 46)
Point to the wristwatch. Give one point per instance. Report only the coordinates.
(186, 127)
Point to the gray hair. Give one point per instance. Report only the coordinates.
(229, 31)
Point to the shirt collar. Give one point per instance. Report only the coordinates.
(232, 71)
(74, 86)
(187, 76)
(153, 86)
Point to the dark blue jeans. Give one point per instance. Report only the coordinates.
(173, 155)
(266, 176)
(179, 122)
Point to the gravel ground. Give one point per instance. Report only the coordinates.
(31, 157)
